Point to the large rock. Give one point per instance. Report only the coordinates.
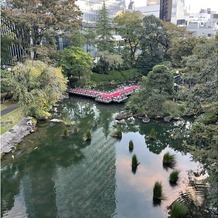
(146, 120)
(139, 115)
(168, 119)
(122, 116)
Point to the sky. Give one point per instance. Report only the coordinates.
(195, 5)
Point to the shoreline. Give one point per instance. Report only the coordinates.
(15, 135)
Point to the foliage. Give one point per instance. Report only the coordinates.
(37, 86)
(178, 210)
(135, 162)
(78, 39)
(75, 62)
(6, 81)
(201, 69)
(36, 23)
(115, 77)
(6, 42)
(103, 30)
(90, 36)
(88, 136)
(169, 160)
(153, 134)
(181, 47)
(117, 134)
(107, 61)
(158, 191)
(130, 28)
(156, 90)
(203, 138)
(154, 43)
(174, 32)
(131, 145)
(174, 176)
(65, 134)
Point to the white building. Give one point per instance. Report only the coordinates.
(204, 23)
(91, 8)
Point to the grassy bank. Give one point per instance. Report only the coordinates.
(9, 120)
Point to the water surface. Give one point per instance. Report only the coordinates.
(56, 176)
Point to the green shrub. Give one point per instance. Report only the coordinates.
(135, 162)
(174, 176)
(169, 160)
(65, 134)
(178, 210)
(131, 145)
(153, 134)
(157, 191)
(117, 134)
(88, 136)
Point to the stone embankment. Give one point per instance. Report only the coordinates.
(16, 134)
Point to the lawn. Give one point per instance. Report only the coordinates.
(9, 120)
(6, 104)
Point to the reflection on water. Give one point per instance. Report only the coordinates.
(55, 176)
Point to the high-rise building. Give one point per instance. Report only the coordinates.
(165, 10)
(91, 8)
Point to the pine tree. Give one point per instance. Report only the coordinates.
(103, 29)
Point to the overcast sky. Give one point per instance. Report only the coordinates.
(195, 5)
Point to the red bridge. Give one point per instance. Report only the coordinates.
(117, 95)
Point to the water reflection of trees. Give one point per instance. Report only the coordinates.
(11, 180)
(45, 150)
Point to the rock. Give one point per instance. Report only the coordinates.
(57, 121)
(167, 119)
(29, 123)
(140, 115)
(122, 116)
(146, 120)
(14, 136)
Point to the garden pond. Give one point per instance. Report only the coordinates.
(52, 175)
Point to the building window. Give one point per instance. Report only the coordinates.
(209, 35)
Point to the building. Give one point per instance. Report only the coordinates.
(91, 8)
(166, 10)
(204, 23)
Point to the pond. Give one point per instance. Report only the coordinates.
(54, 176)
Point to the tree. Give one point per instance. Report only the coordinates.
(75, 62)
(90, 36)
(6, 42)
(201, 75)
(103, 30)
(36, 23)
(108, 61)
(37, 86)
(154, 43)
(181, 47)
(130, 28)
(156, 91)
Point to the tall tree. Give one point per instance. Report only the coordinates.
(36, 23)
(37, 86)
(130, 28)
(201, 75)
(75, 62)
(154, 43)
(181, 47)
(155, 96)
(90, 36)
(103, 29)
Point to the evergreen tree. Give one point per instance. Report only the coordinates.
(103, 29)
(154, 43)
